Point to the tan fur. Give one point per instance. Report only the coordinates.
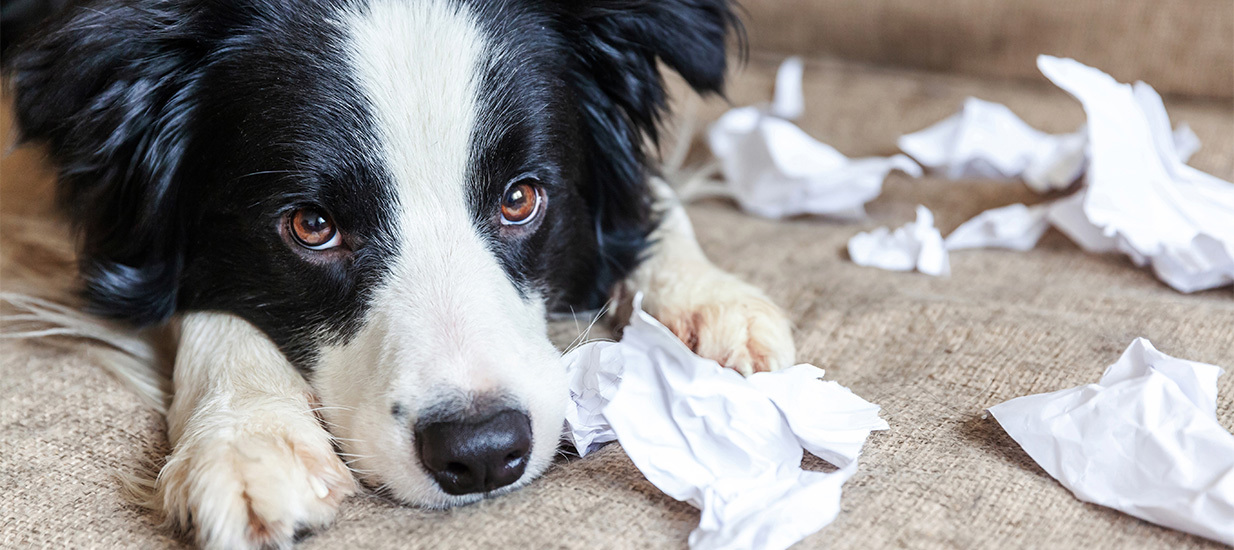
(251, 462)
(716, 314)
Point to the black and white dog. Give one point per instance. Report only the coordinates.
(359, 213)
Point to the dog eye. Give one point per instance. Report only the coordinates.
(313, 229)
(521, 202)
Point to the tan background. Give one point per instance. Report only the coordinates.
(1183, 47)
(934, 352)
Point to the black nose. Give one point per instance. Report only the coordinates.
(476, 457)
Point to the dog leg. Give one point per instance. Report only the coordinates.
(716, 314)
(251, 463)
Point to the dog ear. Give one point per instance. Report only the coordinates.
(108, 89)
(617, 45)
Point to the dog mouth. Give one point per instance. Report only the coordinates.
(438, 498)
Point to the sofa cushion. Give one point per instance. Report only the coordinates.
(1179, 46)
(933, 352)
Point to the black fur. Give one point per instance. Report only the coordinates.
(185, 129)
(615, 45)
(18, 18)
(110, 89)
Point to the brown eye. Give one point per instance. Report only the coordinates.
(313, 229)
(521, 203)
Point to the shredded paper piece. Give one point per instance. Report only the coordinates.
(986, 140)
(1144, 440)
(728, 445)
(1016, 227)
(774, 169)
(1138, 196)
(917, 245)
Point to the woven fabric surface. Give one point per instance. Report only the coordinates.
(933, 352)
(1180, 46)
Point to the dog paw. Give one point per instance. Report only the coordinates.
(253, 483)
(723, 318)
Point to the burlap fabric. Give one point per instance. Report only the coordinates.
(1180, 46)
(934, 352)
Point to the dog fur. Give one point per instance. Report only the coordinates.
(186, 132)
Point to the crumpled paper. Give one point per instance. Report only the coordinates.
(729, 445)
(1016, 227)
(1144, 440)
(1139, 195)
(986, 140)
(916, 245)
(774, 169)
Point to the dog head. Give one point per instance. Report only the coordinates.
(394, 191)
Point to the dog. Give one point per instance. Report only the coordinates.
(359, 214)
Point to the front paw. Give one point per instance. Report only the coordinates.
(253, 483)
(723, 318)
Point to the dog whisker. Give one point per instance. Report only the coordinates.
(333, 407)
(38, 333)
(582, 338)
(266, 172)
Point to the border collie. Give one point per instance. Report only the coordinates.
(359, 213)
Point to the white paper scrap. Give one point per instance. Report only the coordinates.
(917, 245)
(729, 445)
(986, 140)
(774, 169)
(789, 101)
(1016, 227)
(1144, 440)
(1140, 198)
(595, 372)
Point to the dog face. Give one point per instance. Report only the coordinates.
(394, 191)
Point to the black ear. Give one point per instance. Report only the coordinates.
(108, 88)
(617, 44)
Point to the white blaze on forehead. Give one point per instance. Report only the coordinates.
(417, 63)
(444, 321)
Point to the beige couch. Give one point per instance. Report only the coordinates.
(934, 352)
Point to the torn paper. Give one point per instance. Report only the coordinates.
(1143, 440)
(595, 371)
(774, 169)
(729, 445)
(788, 101)
(917, 245)
(1015, 227)
(1139, 196)
(986, 140)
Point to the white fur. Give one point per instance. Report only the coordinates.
(251, 463)
(133, 357)
(718, 315)
(446, 321)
